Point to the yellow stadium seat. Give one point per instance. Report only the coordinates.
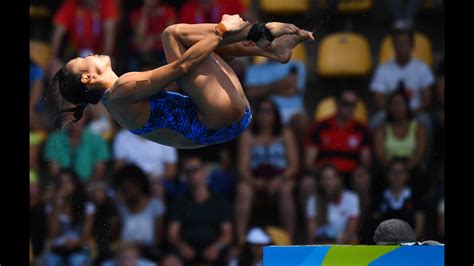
(344, 55)
(37, 137)
(327, 108)
(285, 6)
(40, 53)
(299, 54)
(422, 50)
(39, 12)
(279, 236)
(354, 6)
(349, 6)
(31, 252)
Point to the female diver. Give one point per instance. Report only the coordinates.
(214, 108)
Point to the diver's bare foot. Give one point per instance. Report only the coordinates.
(282, 47)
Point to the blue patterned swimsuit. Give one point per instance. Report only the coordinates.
(177, 112)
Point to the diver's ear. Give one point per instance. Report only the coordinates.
(86, 78)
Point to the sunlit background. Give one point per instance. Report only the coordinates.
(347, 134)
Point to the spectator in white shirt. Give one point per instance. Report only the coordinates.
(404, 71)
(332, 216)
(141, 215)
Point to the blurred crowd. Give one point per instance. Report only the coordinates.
(328, 174)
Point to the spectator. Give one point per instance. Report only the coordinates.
(36, 141)
(252, 254)
(394, 232)
(210, 11)
(284, 83)
(89, 25)
(441, 220)
(268, 164)
(37, 216)
(141, 215)
(398, 200)
(159, 162)
(361, 182)
(339, 140)
(171, 260)
(77, 149)
(70, 223)
(148, 22)
(439, 89)
(415, 76)
(332, 215)
(404, 12)
(401, 135)
(199, 228)
(106, 222)
(37, 104)
(128, 254)
(223, 177)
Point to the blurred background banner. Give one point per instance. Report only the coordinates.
(353, 255)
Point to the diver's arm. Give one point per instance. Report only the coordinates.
(136, 86)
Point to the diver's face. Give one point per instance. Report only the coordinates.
(93, 64)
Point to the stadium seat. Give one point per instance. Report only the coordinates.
(37, 137)
(350, 6)
(279, 236)
(327, 108)
(354, 6)
(40, 53)
(31, 252)
(344, 54)
(299, 54)
(285, 6)
(422, 50)
(37, 11)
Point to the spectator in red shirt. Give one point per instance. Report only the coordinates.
(89, 24)
(339, 140)
(148, 21)
(210, 11)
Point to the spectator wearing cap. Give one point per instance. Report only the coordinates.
(200, 228)
(141, 215)
(106, 223)
(403, 71)
(399, 200)
(128, 254)
(252, 252)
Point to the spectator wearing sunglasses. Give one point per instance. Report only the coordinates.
(339, 140)
(199, 228)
